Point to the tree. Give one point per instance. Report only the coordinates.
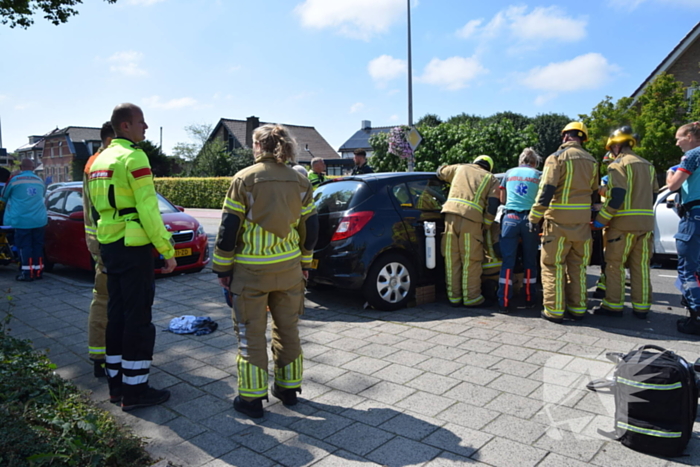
(464, 118)
(20, 12)
(605, 118)
(161, 165)
(429, 120)
(548, 128)
(694, 113)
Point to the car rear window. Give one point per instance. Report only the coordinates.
(338, 196)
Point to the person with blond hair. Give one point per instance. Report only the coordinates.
(518, 190)
(264, 246)
(687, 179)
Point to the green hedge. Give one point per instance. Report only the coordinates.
(208, 193)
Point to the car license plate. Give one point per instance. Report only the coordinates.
(314, 264)
(183, 252)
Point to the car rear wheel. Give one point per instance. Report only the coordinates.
(390, 283)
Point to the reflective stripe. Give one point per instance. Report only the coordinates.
(534, 213)
(112, 373)
(136, 364)
(90, 230)
(583, 304)
(467, 202)
(635, 212)
(613, 306)
(567, 182)
(474, 301)
(553, 313)
(113, 359)
(220, 260)
(234, 205)
(605, 214)
(641, 306)
(252, 381)
(448, 269)
(646, 269)
(271, 259)
(659, 387)
(646, 431)
(576, 207)
(488, 222)
(465, 266)
(290, 375)
(496, 264)
(559, 278)
(134, 380)
(307, 258)
(308, 209)
(97, 350)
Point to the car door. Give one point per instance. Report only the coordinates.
(55, 202)
(665, 223)
(420, 201)
(73, 249)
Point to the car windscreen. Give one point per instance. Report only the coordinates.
(165, 207)
(338, 196)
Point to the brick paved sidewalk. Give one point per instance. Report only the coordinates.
(431, 385)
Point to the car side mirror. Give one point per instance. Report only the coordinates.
(180, 208)
(77, 216)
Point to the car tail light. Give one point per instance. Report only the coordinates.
(351, 224)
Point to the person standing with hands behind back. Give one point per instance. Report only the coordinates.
(266, 239)
(129, 225)
(687, 179)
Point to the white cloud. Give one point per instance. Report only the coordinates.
(156, 103)
(356, 107)
(127, 63)
(452, 73)
(539, 25)
(589, 71)
(386, 68)
(357, 19)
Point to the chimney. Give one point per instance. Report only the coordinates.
(366, 125)
(251, 124)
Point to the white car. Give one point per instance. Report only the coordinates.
(665, 224)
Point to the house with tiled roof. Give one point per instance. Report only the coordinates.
(62, 147)
(239, 134)
(360, 139)
(682, 62)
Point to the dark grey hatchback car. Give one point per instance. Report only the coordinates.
(372, 235)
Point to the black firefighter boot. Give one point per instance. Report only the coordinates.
(690, 325)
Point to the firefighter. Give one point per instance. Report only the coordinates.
(470, 208)
(628, 215)
(569, 180)
(491, 265)
(518, 191)
(268, 232)
(687, 179)
(598, 242)
(129, 226)
(97, 318)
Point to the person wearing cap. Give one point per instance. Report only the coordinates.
(470, 208)
(518, 191)
(628, 218)
(569, 181)
(686, 178)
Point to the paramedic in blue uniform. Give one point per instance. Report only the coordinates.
(518, 191)
(687, 179)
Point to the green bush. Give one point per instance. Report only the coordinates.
(206, 193)
(45, 420)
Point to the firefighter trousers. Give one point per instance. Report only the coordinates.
(462, 247)
(97, 319)
(566, 252)
(633, 249)
(130, 336)
(255, 287)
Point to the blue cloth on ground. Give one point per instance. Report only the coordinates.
(188, 324)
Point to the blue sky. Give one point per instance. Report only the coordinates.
(327, 63)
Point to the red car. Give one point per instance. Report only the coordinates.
(65, 234)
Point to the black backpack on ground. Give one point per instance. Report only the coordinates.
(656, 400)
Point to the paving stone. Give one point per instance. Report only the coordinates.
(262, 437)
(475, 375)
(322, 373)
(335, 357)
(447, 327)
(190, 454)
(477, 359)
(352, 382)
(376, 350)
(516, 429)
(227, 422)
(512, 352)
(433, 383)
(472, 394)
(468, 415)
(396, 373)
(202, 407)
(414, 345)
(458, 439)
(225, 389)
(407, 358)
(388, 393)
(514, 385)
(514, 367)
(615, 454)
(400, 452)
(556, 460)
(213, 444)
(447, 459)
(320, 424)
(359, 438)
(342, 458)
(558, 395)
(576, 447)
(517, 406)
(597, 403)
(348, 344)
(371, 412)
(244, 457)
(366, 365)
(383, 339)
(480, 334)
(559, 417)
(425, 403)
(203, 375)
(511, 338)
(412, 425)
(335, 401)
(480, 345)
(592, 369)
(503, 452)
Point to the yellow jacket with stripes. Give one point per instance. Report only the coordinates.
(637, 177)
(569, 179)
(122, 192)
(272, 203)
(90, 224)
(470, 189)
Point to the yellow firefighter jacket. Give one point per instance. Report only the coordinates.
(272, 202)
(123, 194)
(470, 190)
(632, 188)
(90, 224)
(569, 179)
